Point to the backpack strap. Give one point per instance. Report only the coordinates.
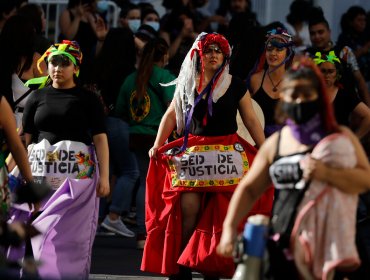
(16, 102)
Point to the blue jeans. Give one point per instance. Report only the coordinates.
(122, 163)
(143, 160)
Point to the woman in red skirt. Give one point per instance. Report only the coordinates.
(190, 181)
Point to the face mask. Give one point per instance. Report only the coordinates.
(134, 24)
(214, 26)
(301, 112)
(102, 6)
(309, 133)
(153, 24)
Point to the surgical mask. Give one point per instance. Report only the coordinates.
(153, 24)
(301, 112)
(134, 24)
(102, 6)
(214, 26)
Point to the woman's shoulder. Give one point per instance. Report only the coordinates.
(257, 75)
(269, 147)
(129, 80)
(256, 80)
(87, 92)
(346, 132)
(38, 94)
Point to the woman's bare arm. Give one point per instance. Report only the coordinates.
(13, 140)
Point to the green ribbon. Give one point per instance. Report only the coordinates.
(60, 52)
(331, 57)
(40, 81)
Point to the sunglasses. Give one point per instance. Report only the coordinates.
(60, 60)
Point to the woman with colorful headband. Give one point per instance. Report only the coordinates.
(346, 103)
(67, 124)
(319, 168)
(191, 180)
(265, 82)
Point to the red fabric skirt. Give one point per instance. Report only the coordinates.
(212, 165)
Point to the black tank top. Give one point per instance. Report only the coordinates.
(285, 171)
(286, 175)
(266, 103)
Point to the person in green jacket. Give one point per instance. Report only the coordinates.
(142, 102)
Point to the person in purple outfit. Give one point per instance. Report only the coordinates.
(68, 148)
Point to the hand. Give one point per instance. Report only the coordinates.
(102, 189)
(101, 29)
(153, 152)
(226, 246)
(313, 169)
(188, 28)
(81, 10)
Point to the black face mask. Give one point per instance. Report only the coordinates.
(301, 112)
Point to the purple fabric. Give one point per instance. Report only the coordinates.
(68, 226)
(308, 133)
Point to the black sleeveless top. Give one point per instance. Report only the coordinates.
(223, 119)
(286, 175)
(266, 103)
(285, 171)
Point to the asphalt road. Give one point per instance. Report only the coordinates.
(116, 257)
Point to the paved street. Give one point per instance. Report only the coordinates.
(116, 257)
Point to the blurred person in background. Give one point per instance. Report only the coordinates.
(320, 36)
(37, 16)
(115, 61)
(297, 24)
(79, 22)
(353, 35)
(266, 78)
(150, 17)
(17, 41)
(8, 8)
(141, 102)
(130, 17)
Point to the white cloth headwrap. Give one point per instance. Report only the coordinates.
(186, 84)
